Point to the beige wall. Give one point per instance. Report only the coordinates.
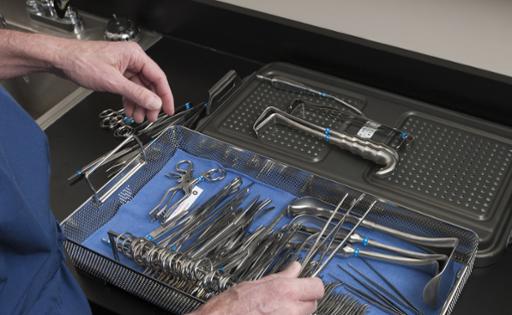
(471, 32)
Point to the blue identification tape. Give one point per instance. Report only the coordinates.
(128, 120)
(327, 132)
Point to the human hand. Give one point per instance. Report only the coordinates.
(281, 293)
(117, 67)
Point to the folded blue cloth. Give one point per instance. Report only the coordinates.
(133, 217)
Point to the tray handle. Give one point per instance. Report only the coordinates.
(221, 90)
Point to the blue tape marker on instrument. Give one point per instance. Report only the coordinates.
(327, 132)
(128, 120)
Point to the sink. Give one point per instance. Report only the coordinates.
(45, 96)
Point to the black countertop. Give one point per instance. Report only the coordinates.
(77, 139)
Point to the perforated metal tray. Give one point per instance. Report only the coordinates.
(93, 214)
(461, 169)
(262, 94)
(457, 169)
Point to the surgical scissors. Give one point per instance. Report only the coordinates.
(125, 126)
(114, 119)
(184, 173)
(110, 112)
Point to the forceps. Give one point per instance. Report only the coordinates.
(110, 113)
(114, 118)
(184, 173)
(365, 241)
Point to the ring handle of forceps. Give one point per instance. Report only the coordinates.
(110, 112)
(123, 131)
(111, 122)
(184, 166)
(87, 174)
(210, 175)
(106, 113)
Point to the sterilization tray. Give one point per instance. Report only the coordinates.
(101, 207)
(458, 168)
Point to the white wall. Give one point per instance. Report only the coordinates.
(472, 32)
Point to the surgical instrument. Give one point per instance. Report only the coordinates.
(431, 289)
(379, 153)
(354, 251)
(369, 297)
(356, 125)
(339, 304)
(364, 241)
(398, 296)
(342, 243)
(313, 250)
(285, 83)
(200, 212)
(165, 212)
(317, 207)
(375, 292)
(124, 127)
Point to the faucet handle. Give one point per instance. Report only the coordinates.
(121, 29)
(61, 6)
(3, 22)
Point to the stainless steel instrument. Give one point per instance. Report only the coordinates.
(380, 154)
(286, 83)
(184, 174)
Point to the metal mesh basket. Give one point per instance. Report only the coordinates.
(94, 213)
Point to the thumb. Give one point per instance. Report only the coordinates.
(291, 271)
(137, 93)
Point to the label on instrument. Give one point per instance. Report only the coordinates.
(368, 130)
(187, 203)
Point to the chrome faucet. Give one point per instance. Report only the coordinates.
(58, 13)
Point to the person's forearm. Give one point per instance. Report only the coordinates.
(117, 67)
(23, 53)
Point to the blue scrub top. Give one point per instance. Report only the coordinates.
(33, 276)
